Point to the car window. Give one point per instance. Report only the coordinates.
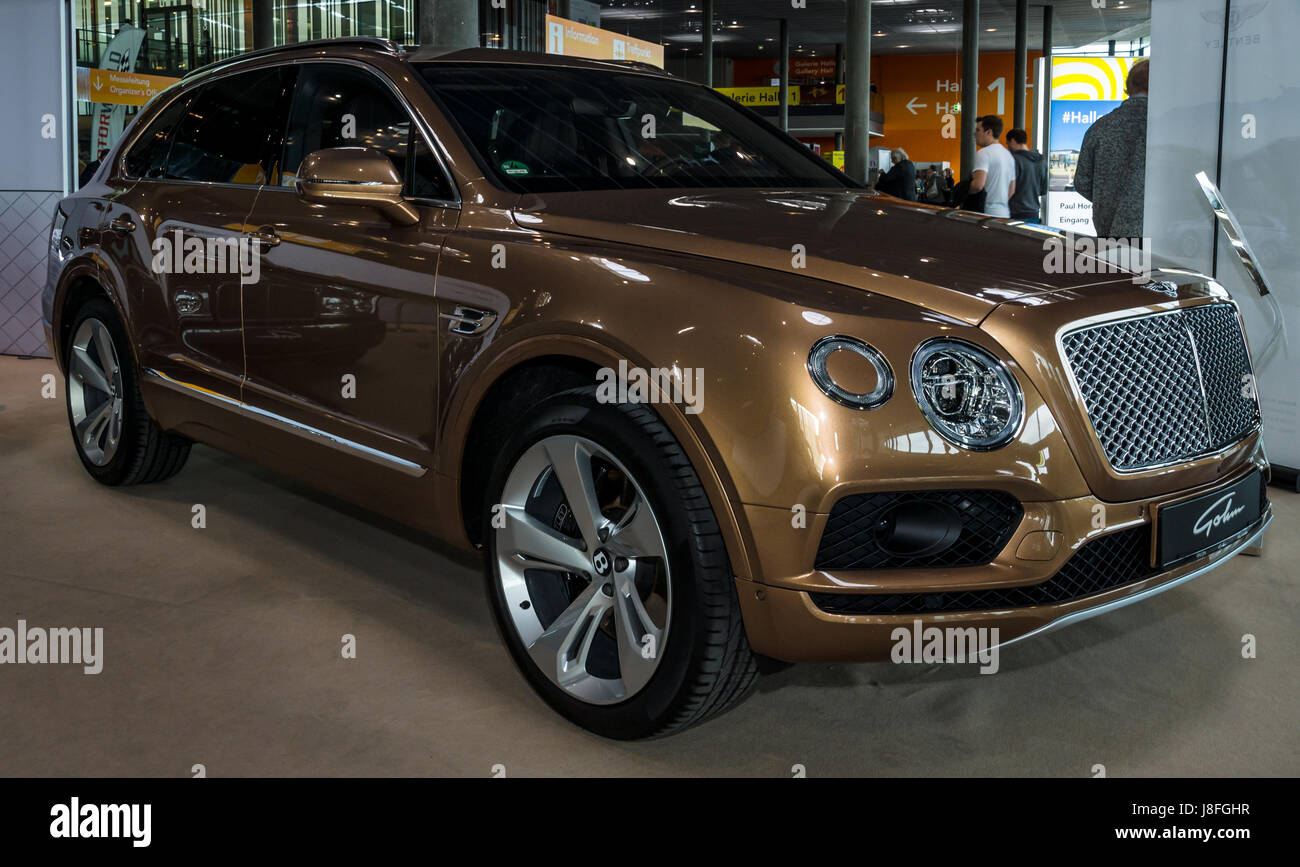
(225, 135)
(337, 105)
(543, 129)
(148, 156)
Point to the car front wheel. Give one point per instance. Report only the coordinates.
(608, 574)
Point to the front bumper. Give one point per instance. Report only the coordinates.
(783, 621)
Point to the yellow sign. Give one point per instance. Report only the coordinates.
(837, 159)
(573, 39)
(1091, 78)
(755, 96)
(124, 88)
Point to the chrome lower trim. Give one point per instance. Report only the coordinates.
(316, 435)
(1218, 559)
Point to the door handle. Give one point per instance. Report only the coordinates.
(265, 237)
(122, 224)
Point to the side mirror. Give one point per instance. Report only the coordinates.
(355, 176)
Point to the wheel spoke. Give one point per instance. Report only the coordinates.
(104, 348)
(534, 545)
(563, 647)
(637, 535)
(638, 637)
(92, 426)
(571, 461)
(88, 371)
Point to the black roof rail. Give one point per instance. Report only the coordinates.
(387, 46)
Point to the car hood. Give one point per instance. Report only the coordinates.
(953, 262)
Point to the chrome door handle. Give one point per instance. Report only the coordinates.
(469, 320)
(265, 236)
(122, 224)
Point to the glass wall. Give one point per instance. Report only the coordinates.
(155, 42)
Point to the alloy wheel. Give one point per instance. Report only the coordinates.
(95, 392)
(583, 569)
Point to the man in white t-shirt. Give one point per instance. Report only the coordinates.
(995, 168)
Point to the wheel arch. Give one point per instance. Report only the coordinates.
(568, 361)
(79, 283)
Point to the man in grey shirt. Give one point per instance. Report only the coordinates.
(1113, 162)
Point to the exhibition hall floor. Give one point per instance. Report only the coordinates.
(222, 649)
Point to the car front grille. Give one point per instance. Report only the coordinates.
(987, 520)
(1103, 564)
(1165, 387)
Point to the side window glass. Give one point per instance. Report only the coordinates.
(226, 134)
(342, 106)
(148, 156)
(427, 180)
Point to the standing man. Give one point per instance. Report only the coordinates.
(1112, 165)
(900, 180)
(1031, 177)
(995, 169)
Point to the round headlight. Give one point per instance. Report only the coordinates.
(865, 379)
(967, 394)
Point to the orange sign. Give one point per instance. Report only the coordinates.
(573, 39)
(124, 88)
(922, 101)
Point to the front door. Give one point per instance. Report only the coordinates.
(340, 329)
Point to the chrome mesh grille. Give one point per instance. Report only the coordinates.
(1165, 387)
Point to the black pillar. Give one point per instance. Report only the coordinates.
(707, 32)
(970, 82)
(857, 91)
(1045, 120)
(1022, 64)
(784, 94)
(263, 24)
(449, 25)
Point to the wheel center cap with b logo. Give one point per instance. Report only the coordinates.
(602, 562)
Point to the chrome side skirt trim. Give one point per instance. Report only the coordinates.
(316, 435)
(1221, 557)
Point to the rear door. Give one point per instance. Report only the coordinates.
(196, 187)
(341, 325)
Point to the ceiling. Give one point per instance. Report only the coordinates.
(748, 28)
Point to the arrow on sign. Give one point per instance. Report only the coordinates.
(913, 105)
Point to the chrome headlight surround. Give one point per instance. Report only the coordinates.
(986, 407)
(822, 351)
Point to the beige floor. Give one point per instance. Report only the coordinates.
(222, 649)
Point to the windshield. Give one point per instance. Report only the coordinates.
(546, 129)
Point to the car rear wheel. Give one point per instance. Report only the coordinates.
(117, 441)
(607, 572)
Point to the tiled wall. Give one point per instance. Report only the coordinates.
(24, 235)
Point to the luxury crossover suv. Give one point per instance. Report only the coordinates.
(701, 400)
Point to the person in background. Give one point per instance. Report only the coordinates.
(900, 180)
(934, 192)
(1112, 167)
(91, 167)
(948, 185)
(1031, 177)
(995, 170)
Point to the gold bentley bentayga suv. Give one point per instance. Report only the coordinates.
(699, 398)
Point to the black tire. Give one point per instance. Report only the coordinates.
(707, 665)
(145, 452)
